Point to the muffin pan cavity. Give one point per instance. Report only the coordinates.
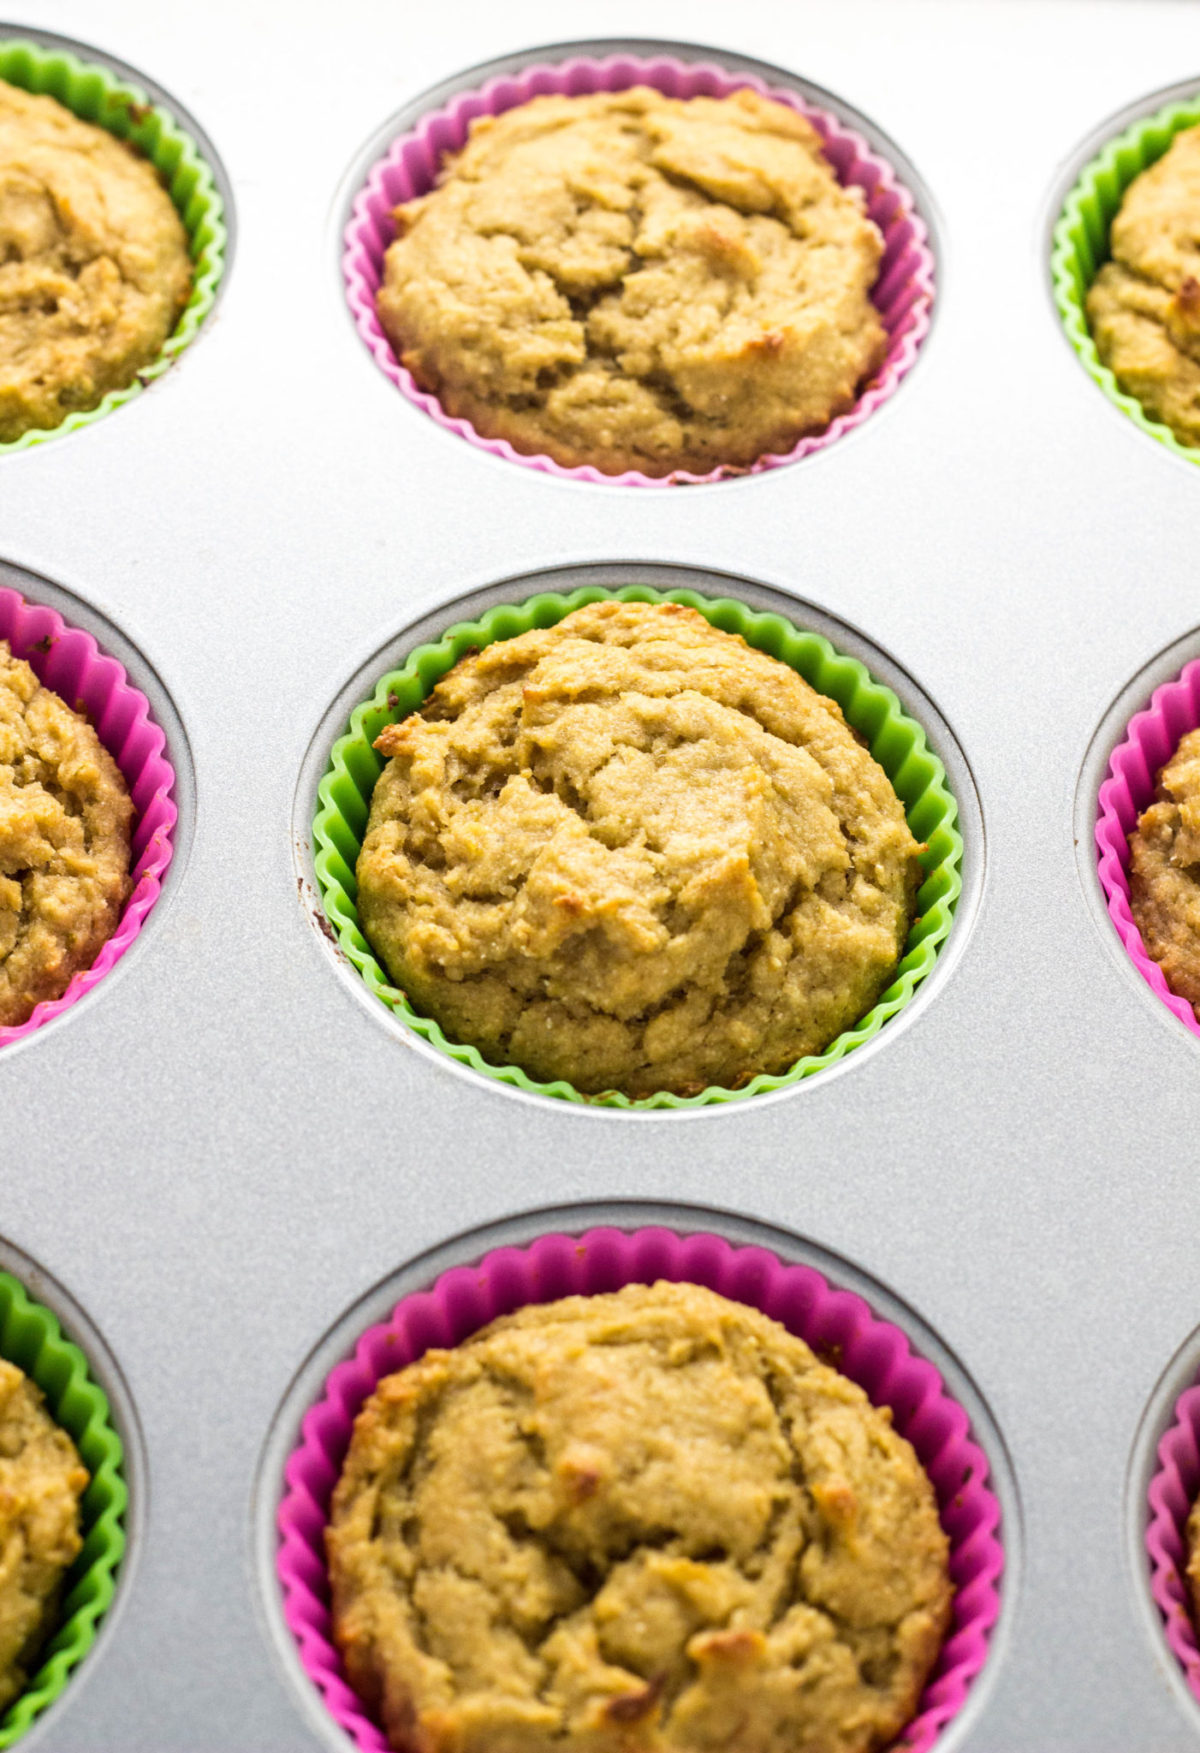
(1137, 734)
(1163, 1483)
(450, 1292)
(104, 91)
(1101, 171)
(402, 161)
(79, 654)
(916, 750)
(47, 1336)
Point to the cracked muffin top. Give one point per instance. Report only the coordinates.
(1164, 872)
(1144, 305)
(94, 267)
(644, 1521)
(65, 817)
(638, 282)
(41, 1482)
(631, 851)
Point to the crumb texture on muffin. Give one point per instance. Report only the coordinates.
(631, 851)
(41, 1482)
(1191, 1542)
(645, 1520)
(65, 818)
(94, 268)
(638, 282)
(1164, 872)
(1144, 305)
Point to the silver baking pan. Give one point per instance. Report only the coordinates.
(228, 1159)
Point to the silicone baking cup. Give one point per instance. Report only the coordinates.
(96, 94)
(1080, 246)
(903, 293)
(31, 1338)
(1173, 1490)
(70, 662)
(1150, 741)
(896, 741)
(836, 1323)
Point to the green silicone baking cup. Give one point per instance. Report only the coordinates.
(31, 1338)
(1080, 246)
(896, 741)
(96, 94)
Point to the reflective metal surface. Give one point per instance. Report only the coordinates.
(223, 1148)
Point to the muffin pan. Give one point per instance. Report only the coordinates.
(231, 1140)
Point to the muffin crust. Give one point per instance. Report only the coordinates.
(633, 852)
(648, 1520)
(1164, 872)
(65, 817)
(41, 1482)
(638, 282)
(94, 267)
(1144, 305)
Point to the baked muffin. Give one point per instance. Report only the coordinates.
(65, 816)
(648, 1520)
(1191, 1546)
(638, 282)
(41, 1482)
(94, 267)
(631, 851)
(1164, 872)
(1144, 305)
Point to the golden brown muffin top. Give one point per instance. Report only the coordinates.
(1144, 305)
(65, 817)
(94, 267)
(41, 1482)
(632, 851)
(638, 282)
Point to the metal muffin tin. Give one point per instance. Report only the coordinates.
(226, 1146)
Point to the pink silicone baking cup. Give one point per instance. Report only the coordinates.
(836, 1323)
(69, 661)
(1173, 1490)
(1151, 740)
(903, 293)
